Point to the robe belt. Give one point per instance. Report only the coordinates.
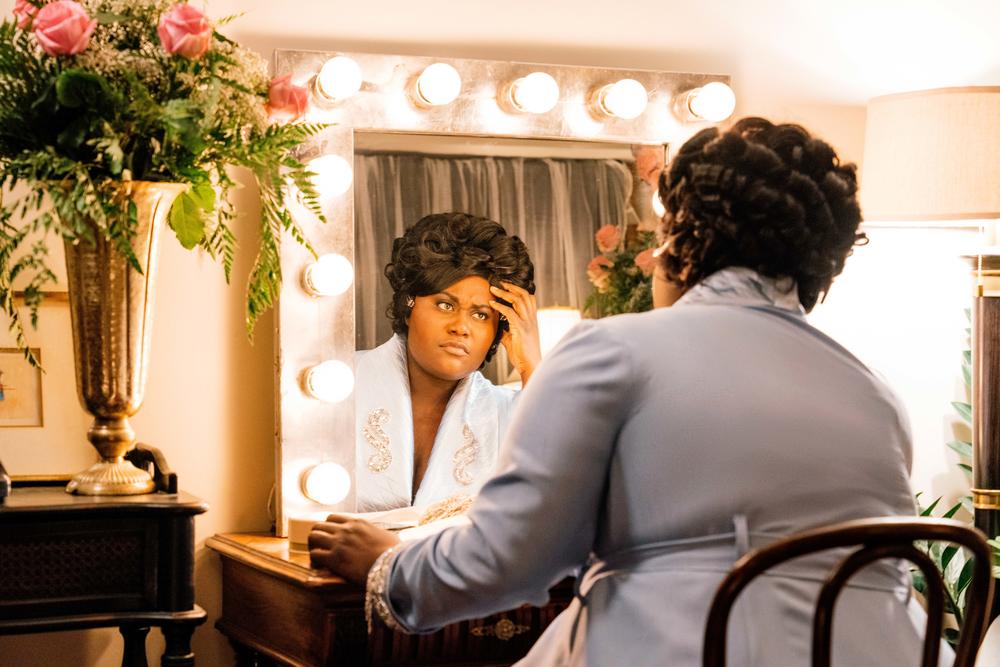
(716, 553)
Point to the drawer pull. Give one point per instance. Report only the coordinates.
(503, 630)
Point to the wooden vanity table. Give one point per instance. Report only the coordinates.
(277, 610)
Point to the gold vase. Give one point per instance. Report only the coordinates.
(111, 307)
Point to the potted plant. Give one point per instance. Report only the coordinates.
(117, 117)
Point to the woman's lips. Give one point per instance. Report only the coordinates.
(457, 349)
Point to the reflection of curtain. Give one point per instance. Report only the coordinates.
(554, 205)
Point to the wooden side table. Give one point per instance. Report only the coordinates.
(276, 610)
(75, 562)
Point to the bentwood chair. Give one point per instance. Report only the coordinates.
(877, 538)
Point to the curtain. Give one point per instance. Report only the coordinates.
(554, 205)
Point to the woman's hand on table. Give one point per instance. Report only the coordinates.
(348, 547)
(522, 340)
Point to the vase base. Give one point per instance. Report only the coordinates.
(111, 478)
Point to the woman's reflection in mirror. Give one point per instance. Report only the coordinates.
(428, 423)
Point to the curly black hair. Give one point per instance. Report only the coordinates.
(443, 248)
(768, 197)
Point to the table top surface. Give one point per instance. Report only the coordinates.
(25, 499)
(276, 556)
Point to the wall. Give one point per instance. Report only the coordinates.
(209, 398)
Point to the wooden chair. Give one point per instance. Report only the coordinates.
(878, 538)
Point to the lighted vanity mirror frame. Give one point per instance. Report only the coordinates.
(311, 329)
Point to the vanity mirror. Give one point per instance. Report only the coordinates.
(545, 149)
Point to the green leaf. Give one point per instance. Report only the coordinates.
(204, 196)
(187, 220)
(964, 410)
(77, 88)
(946, 557)
(967, 356)
(966, 467)
(962, 448)
(967, 374)
(951, 512)
(927, 511)
(965, 578)
(967, 504)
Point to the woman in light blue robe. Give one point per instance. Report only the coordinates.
(651, 451)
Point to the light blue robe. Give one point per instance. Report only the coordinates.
(651, 450)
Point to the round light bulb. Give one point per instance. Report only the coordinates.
(326, 483)
(439, 84)
(536, 93)
(339, 78)
(713, 102)
(625, 99)
(333, 175)
(331, 381)
(658, 208)
(329, 275)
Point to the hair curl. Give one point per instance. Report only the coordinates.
(768, 197)
(443, 248)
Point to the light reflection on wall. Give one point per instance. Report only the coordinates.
(899, 307)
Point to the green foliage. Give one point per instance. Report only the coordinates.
(622, 287)
(950, 560)
(72, 128)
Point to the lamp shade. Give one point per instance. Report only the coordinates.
(933, 155)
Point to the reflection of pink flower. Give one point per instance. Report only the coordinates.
(286, 101)
(608, 237)
(24, 12)
(646, 261)
(185, 31)
(63, 28)
(597, 272)
(649, 163)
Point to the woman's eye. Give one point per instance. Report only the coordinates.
(444, 305)
(481, 316)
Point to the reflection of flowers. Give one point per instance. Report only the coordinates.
(621, 273)
(645, 261)
(608, 237)
(597, 272)
(649, 163)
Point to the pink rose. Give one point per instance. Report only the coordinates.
(185, 31)
(63, 28)
(24, 12)
(597, 272)
(285, 100)
(649, 163)
(608, 237)
(646, 261)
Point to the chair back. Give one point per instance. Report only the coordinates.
(889, 537)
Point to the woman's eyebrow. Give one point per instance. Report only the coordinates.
(455, 299)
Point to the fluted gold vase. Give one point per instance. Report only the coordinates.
(111, 306)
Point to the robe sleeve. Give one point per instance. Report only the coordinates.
(536, 520)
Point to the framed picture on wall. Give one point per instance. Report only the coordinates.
(20, 389)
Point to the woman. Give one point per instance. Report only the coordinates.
(652, 450)
(429, 423)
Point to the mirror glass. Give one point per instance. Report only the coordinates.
(554, 195)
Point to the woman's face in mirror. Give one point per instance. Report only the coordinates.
(450, 332)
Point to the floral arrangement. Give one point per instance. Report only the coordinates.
(98, 92)
(621, 274)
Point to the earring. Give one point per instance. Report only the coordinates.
(409, 302)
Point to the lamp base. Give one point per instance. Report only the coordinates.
(111, 477)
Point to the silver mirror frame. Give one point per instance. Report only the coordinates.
(314, 329)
